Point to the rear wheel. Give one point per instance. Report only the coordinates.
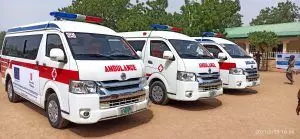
(12, 96)
(158, 93)
(54, 112)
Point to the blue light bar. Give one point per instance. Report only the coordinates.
(159, 27)
(73, 17)
(165, 27)
(209, 34)
(61, 15)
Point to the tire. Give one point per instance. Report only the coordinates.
(53, 112)
(158, 93)
(12, 96)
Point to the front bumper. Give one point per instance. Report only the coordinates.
(241, 82)
(193, 87)
(92, 103)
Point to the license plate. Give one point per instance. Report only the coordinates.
(126, 110)
(212, 93)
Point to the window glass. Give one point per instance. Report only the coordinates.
(235, 51)
(89, 46)
(187, 49)
(53, 41)
(22, 46)
(137, 45)
(31, 46)
(157, 48)
(213, 49)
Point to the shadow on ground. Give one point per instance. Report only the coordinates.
(240, 92)
(102, 128)
(204, 104)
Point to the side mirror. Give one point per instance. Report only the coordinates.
(139, 53)
(57, 54)
(168, 55)
(222, 56)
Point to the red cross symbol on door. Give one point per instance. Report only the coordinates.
(160, 68)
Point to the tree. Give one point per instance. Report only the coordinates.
(283, 13)
(110, 10)
(210, 15)
(2, 34)
(263, 41)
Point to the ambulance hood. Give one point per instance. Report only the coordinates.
(106, 70)
(201, 65)
(245, 63)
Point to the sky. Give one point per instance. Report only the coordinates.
(21, 12)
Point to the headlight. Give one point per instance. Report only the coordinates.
(143, 82)
(186, 76)
(236, 71)
(83, 87)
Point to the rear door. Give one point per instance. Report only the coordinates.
(23, 53)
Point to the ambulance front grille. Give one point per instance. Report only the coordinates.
(126, 99)
(210, 86)
(251, 74)
(119, 87)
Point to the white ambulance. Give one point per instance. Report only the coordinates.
(238, 69)
(177, 66)
(78, 72)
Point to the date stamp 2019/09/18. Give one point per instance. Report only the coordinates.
(275, 132)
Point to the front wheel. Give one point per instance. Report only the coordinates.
(54, 112)
(158, 93)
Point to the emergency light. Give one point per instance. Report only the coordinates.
(74, 17)
(212, 34)
(165, 27)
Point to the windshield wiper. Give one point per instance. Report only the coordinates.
(206, 56)
(100, 55)
(122, 55)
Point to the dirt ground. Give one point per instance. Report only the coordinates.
(267, 111)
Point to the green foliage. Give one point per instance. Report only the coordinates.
(283, 13)
(263, 40)
(210, 15)
(2, 34)
(121, 15)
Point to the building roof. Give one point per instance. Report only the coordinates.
(282, 30)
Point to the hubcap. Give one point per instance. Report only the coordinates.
(53, 111)
(9, 91)
(157, 93)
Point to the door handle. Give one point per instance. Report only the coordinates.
(44, 64)
(150, 62)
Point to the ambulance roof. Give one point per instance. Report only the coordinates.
(159, 34)
(64, 26)
(213, 39)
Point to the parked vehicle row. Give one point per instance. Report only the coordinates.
(85, 73)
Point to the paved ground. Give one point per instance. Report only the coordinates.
(264, 112)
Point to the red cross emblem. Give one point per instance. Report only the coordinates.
(160, 68)
(54, 74)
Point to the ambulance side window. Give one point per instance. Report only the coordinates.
(137, 45)
(53, 41)
(215, 50)
(157, 48)
(31, 46)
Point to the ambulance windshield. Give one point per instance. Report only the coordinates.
(235, 51)
(88, 46)
(190, 49)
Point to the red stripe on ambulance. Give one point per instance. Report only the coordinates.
(226, 66)
(62, 75)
